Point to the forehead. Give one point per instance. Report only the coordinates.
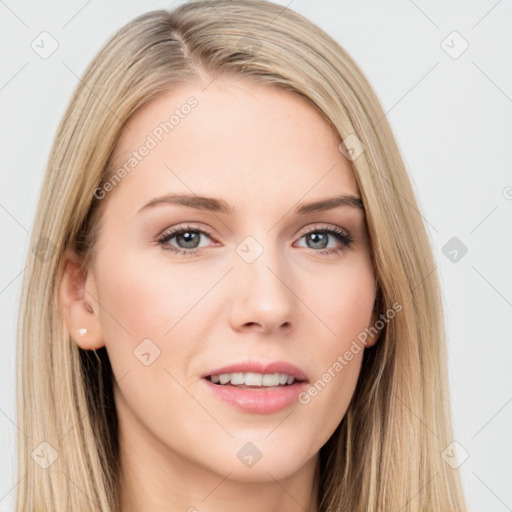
(232, 136)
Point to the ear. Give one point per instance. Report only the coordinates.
(79, 306)
(371, 340)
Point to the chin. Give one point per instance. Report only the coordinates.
(262, 456)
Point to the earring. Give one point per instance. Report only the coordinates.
(82, 332)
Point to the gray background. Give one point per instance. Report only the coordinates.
(452, 116)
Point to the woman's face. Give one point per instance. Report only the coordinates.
(253, 285)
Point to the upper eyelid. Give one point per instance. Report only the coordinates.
(325, 226)
(179, 228)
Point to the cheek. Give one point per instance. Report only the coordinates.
(149, 315)
(146, 301)
(148, 326)
(138, 307)
(345, 309)
(343, 303)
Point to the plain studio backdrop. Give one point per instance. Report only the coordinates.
(443, 72)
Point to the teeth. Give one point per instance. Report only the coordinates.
(224, 378)
(253, 379)
(237, 378)
(271, 379)
(282, 378)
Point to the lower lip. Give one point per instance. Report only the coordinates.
(258, 400)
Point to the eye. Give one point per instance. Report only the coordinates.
(187, 237)
(319, 238)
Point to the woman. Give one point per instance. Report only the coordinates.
(230, 301)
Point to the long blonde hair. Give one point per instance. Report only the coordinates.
(386, 453)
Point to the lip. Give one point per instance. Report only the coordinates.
(263, 400)
(257, 401)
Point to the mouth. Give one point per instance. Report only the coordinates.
(257, 388)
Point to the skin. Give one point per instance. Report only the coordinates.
(179, 443)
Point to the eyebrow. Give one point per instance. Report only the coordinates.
(220, 206)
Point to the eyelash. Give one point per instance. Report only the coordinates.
(344, 237)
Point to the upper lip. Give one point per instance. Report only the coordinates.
(260, 367)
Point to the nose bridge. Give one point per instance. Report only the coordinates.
(263, 294)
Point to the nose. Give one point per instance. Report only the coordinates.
(263, 299)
